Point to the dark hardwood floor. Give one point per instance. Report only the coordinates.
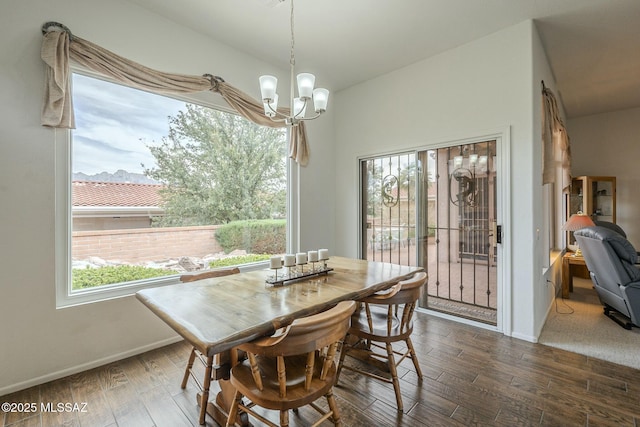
(471, 377)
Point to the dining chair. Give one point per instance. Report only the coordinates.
(207, 361)
(383, 319)
(292, 368)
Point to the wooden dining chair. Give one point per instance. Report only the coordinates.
(382, 320)
(207, 361)
(292, 368)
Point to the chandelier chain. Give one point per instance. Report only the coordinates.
(292, 59)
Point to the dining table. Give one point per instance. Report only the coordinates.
(217, 314)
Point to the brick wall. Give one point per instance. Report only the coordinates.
(145, 244)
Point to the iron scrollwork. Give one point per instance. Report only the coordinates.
(389, 186)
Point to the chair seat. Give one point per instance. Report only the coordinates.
(385, 329)
(270, 397)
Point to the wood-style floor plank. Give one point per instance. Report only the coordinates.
(471, 377)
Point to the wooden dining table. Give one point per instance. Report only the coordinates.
(215, 315)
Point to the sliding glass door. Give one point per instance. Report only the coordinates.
(437, 209)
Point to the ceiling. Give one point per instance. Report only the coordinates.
(593, 46)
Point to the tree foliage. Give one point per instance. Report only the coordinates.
(257, 237)
(219, 167)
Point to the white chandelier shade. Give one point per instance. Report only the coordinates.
(306, 92)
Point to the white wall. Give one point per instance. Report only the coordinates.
(38, 342)
(461, 93)
(609, 144)
(544, 286)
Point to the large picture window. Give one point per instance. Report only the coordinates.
(158, 187)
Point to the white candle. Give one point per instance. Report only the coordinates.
(313, 256)
(301, 258)
(276, 262)
(289, 260)
(323, 254)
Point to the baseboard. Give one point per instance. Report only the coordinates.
(457, 319)
(557, 292)
(524, 337)
(86, 366)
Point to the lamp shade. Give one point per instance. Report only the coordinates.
(305, 85)
(299, 107)
(320, 100)
(268, 86)
(578, 221)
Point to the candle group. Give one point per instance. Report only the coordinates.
(300, 258)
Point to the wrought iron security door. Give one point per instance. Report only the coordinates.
(437, 208)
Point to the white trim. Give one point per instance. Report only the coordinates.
(293, 205)
(86, 366)
(62, 219)
(505, 284)
(457, 319)
(523, 337)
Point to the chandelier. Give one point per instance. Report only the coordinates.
(306, 92)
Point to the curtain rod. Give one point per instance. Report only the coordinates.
(46, 27)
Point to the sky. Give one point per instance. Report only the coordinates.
(113, 124)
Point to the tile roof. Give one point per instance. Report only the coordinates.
(91, 193)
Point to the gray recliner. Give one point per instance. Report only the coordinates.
(612, 226)
(610, 259)
(615, 227)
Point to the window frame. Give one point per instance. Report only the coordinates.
(555, 209)
(65, 296)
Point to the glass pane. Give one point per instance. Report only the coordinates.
(389, 210)
(163, 187)
(458, 228)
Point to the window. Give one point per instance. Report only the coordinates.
(154, 187)
(554, 205)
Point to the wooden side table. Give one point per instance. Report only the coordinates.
(570, 264)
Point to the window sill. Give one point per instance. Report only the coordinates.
(105, 293)
(554, 256)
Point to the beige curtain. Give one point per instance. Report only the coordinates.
(555, 141)
(59, 46)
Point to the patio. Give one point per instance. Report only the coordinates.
(465, 287)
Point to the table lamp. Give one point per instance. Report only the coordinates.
(576, 222)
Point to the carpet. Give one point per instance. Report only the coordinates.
(579, 325)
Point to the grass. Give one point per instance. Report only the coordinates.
(84, 278)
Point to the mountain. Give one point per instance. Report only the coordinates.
(119, 176)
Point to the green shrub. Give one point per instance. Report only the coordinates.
(266, 236)
(92, 277)
(238, 260)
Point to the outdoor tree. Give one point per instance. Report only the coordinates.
(219, 167)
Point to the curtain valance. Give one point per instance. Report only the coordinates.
(59, 46)
(555, 141)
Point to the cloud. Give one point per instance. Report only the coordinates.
(114, 124)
